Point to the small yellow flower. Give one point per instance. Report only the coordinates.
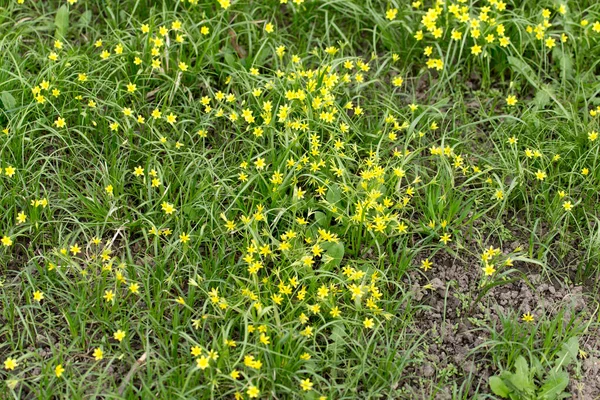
(59, 370)
(109, 295)
(171, 118)
(511, 100)
(252, 391)
(426, 265)
(9, 171)
(368, 323)
(21, 217)
(10, 364)
(567, 205)
(119, 335)
(134, 288)
(527, 317)
(138, 171)
(38, 296)
(306, 384)
(540, 175)
(75, 249)
(391, 14)
(168, 208)
(445, 238)
(98, 354)
(60, 122)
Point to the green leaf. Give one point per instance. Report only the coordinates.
(521, 378)
(86, 18)
(321, 219)
(554, 385)
(567, 354)
(524, 69)
(542, 97)
(333, 195)
(8, 100)
(334, 252)
(61, 21)
(499, 387)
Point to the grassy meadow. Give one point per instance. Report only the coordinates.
(299, 199)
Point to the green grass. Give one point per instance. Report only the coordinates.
(266, 202)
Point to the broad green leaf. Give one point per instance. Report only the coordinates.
(8, 100)
(499, 387)
(86, 18)
(61, 21)
(554, 385)
(333, 195)
(334, 252)
(521, 378)
(567, 353)
(321, 219)
(524, 69)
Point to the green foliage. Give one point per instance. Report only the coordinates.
(537, 382)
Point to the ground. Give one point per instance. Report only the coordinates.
(317, 199)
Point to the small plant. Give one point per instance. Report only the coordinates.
(534, 382)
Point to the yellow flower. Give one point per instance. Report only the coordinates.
(171, 118)
(391, 14)
(21, 217)
(269, 27)
(540, 175)
(9, 171)
(109, 295)
(98, 354)
(184, 237)
(426, 265)
(225, 4)
(528, 317)
(183, 66)
(10, 364)
(489, 269)
(138, 171)
(134, 288)
(131, 87)
(119, 335)
(567, 205)
(511, 100)
(60, 122)
(38, 296)
(75, 249)
(306, 384)
(58, 370)
(445, 238)
(476, 50)
(252, 391)
(168, 208)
